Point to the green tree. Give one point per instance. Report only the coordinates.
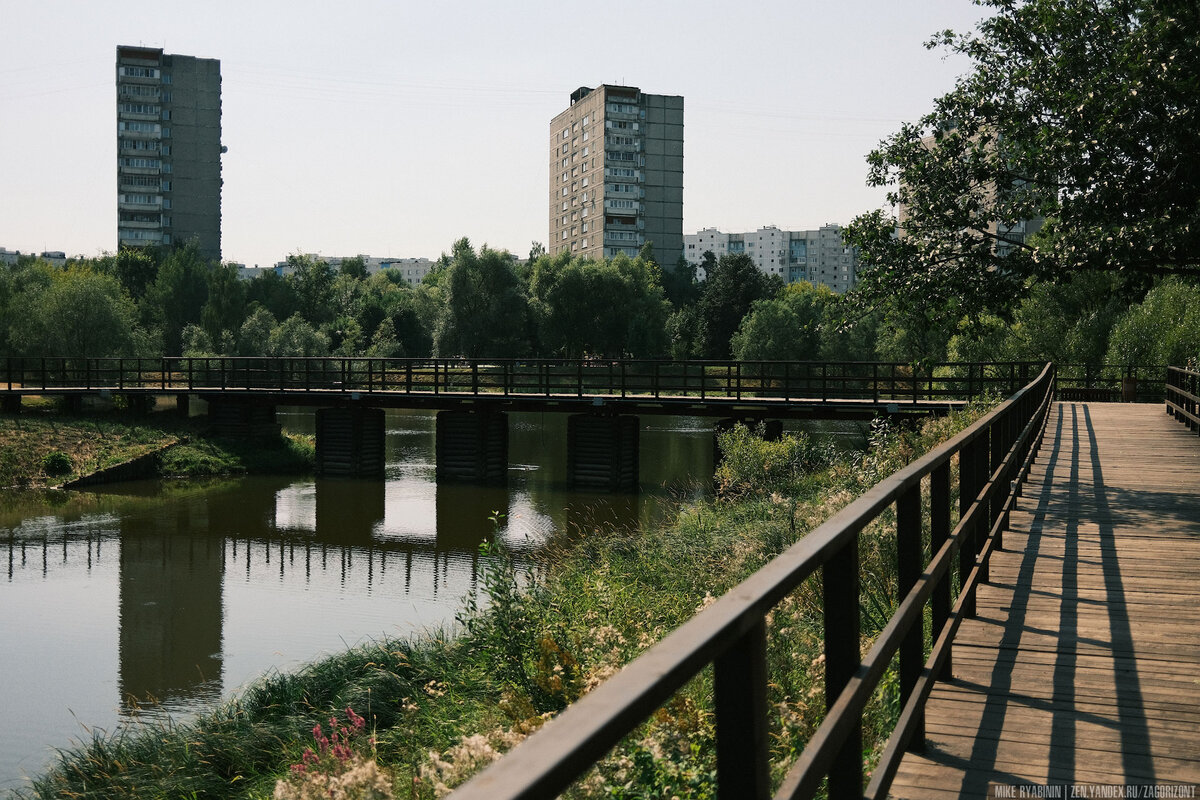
(485, 306)
(1078, 111)
(254, 337)
(1163, 330)
(312, 280)
(178, 294)
(612, 308)
(296, 338)
(135, 268)
(274, 293)
(354, 267)
(729, 290)
(784, 328)
(225, 309)
(79, 313)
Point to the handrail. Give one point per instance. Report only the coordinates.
(1183, 396)
(994, 456)
(890, 382)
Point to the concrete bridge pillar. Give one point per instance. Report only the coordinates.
(602, 452)
(183, 405)
(772, 430)
(472, 446)
(11, 404)
(350, 442)
(138, 404)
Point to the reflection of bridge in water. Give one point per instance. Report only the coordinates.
(174, 560)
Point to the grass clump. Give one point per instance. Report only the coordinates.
(441, 708)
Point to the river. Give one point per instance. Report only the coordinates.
(150, 599)
(153, 599)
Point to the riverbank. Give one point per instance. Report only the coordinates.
(441, 708)
(44, 448)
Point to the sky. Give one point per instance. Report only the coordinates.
(395, 128)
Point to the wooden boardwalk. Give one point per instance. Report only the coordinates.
(1082, 665)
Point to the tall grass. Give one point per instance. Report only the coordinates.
(443, 707)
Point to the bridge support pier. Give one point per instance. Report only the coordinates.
(772, 430)
(472, 446)
(350, 442)
(137, 404)
(11, 404)
(236, 419)
(602, 452)
(72, 403)
(183, 405)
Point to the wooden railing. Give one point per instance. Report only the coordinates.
(783, 380)
(1183, 396)
(1142, 383)
(993, 457)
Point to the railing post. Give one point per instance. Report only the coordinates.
(840, 596)
(474, 377)
(939, 531)
(874, 382)
(983, 475)
(740, 703)
(909, 563)
(655, 379)
(579, 378)
(967, 491)
(739, 380)
(622, 377)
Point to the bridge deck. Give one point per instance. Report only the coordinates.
(1083, 663)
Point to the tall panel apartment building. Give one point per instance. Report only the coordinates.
(616, 174)
(168, 149)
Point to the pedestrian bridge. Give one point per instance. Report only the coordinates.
(604, 397)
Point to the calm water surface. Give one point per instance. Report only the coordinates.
(152, 599)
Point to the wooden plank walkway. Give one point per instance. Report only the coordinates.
(1083, 663)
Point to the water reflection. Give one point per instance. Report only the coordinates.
(147, 599)
(170, 609)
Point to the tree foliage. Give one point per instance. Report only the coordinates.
(1083, 112)
(730, 289)
(485, 306)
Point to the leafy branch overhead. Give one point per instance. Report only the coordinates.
(1079, 112)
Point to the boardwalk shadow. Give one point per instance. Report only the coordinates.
(1074, 494)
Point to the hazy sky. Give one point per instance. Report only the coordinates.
(393, 128)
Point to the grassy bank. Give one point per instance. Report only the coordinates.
(43, 447)
(437, 710)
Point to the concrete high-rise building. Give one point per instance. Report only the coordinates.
(819, 257)
(616, 174)
(168, 149)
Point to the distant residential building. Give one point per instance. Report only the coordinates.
(817, 256)
(168, 149)
(412, 270)
(616, 174)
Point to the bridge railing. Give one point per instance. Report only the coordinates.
(1144, 383)
(1183, 396)
(992, 457)
(787, 380)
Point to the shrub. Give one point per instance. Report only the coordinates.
(57, 463)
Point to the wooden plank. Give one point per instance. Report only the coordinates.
(1083, 663)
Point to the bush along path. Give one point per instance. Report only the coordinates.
(413, 719)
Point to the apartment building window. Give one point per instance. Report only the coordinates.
(137, 108)
(139, 72)
(585, 241)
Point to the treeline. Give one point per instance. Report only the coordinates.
(488, 304)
